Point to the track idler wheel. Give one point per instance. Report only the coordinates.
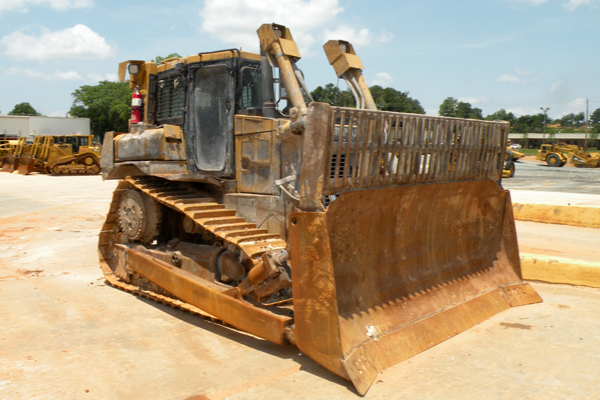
(139, 216)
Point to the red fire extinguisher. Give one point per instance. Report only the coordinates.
(136, 106)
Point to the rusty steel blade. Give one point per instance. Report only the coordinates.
(9, 164)
(387, 273)
(25, 165)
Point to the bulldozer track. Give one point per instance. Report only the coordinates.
(208, 215)
(80, 169)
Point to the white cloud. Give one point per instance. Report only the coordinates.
(518, 112)
(236, 21)
(343, 32)
(474, 100)
(555, 86)
(22, 5)
(507, 78)
(572, 5)
(78, 42)
(56, 76)
(520, 71)
(575, 106)
(382, 79)
(358, 38)
(105, 77)
(532, 2)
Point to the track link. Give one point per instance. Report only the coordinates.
(65, 167)
(208, 215)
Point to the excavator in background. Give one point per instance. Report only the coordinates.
(56, 155)
(361, 236)
(555, 155)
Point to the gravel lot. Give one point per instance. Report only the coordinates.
(533, 175)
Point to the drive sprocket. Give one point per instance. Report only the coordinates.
(139, 216)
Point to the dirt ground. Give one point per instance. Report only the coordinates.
(66, 335)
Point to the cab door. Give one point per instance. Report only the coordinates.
(209, 121)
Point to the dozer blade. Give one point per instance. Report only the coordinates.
(25, 165)
(9, 164)
(387, 273)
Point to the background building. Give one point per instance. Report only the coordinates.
(13, 125)
(534, 140)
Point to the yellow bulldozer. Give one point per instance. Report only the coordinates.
(56, 155)
(361, 236)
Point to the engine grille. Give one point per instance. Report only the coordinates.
(170, 99)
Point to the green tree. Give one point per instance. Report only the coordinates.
(451, 107)
(530, 123)
(23, 109)
(448, 107)
(595, 117)
(107, 105)
(333, 95)
(567, 120)
(390, 99)
(160, 59)
(386, 99)
(579, 119)
(501, 115)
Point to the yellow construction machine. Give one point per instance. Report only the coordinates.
(361, 236)
(56, 155)
(581, 159)
(516, 155)
(11, 151)
(72, 155)
(555, 155)
(509, 163)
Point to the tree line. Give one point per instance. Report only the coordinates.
(108, 106)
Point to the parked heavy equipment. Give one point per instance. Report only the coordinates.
(56, 155)
(361, 236)
(581, 159)
(13, 150)
(555, 155)
(516, 155)
(73, 155)
(509, 164)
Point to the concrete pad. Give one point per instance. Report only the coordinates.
(568, 242)
(66, 335)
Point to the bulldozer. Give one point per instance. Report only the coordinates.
(56, 155)
(362, 237)
(11, 153)
(555, 155)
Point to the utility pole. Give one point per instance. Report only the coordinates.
(587, 103)
(545, 110)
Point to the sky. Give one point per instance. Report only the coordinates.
(518, 55)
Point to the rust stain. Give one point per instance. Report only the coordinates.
(516, 325)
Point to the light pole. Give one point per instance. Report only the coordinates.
(545, 110)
